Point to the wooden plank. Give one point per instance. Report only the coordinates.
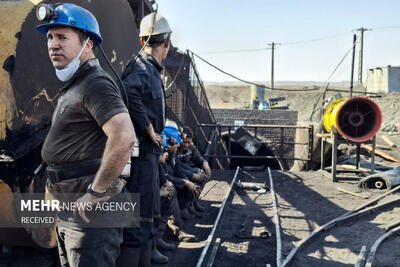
(379, 153)
(351, 193)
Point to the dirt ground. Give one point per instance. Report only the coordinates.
(232, 97)
(306, 200)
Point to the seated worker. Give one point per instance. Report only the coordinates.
(191, 157)
(170, 212)
(186, 190)
(168, 202)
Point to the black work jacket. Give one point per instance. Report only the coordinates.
(192, 157)
(173, 171)
(146, 96)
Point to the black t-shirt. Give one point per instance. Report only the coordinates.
(87, 101)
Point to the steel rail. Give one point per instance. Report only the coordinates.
(375, 246)
(214, 252)
(342, 217)
(276, 222)
(361, 256)
(221, 209)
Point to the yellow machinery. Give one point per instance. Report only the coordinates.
(357, 119)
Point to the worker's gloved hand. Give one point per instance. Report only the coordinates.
(85, 203)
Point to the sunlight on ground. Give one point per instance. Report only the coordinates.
(236, 248)
(342, 255)
(203, 225)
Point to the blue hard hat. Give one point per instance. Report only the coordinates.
(170, 131)
(71, 15)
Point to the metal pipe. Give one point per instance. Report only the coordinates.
(276, 222)
(361, 257)
(331, 223)
(374, 248)
(221, 209)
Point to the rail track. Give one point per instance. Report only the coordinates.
(282, 252)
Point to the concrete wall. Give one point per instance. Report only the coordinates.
(269, 117)
(383, 80)
(394, 79)
(377, 80)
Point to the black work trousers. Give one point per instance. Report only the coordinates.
(144, 180)
(87, 247)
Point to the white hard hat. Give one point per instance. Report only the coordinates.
(154, 24)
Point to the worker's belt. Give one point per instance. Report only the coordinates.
(59, 172)
(149, 147)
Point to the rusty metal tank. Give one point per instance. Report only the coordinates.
(29, 87)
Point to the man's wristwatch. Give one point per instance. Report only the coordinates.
(94, 193)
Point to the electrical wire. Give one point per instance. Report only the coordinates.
(237, 51)
(134, 60)
(341, 61)
(316, 39)
(116, 74)
(314, 110)
(176, 75)
(248, 82)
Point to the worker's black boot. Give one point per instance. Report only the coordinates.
(193, 211)
(198, 206)
(186, 215)
(161, 244)
(157, 257)
(128, 257)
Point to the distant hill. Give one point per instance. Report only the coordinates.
(282, 83)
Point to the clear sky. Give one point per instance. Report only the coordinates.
(205, 26)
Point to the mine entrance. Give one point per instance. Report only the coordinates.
(258, 145)
(255, 153)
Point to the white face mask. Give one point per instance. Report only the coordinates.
(68, 71)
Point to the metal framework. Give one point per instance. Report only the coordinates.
(255, 128)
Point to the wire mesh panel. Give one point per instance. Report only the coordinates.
(186, 98)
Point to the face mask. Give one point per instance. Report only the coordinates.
(68, 71)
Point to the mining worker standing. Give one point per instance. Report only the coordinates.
(143, 82)
(90, 138)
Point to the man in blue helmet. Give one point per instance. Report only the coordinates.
(145, 90)
(90, 138)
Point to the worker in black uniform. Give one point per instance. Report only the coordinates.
(192, 159)
(90, 139)
(143, 82)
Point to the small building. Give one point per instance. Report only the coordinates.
(383, 80)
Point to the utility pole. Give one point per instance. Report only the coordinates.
(352, 65)
(360, 61)
(272, 63)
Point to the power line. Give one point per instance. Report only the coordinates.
(314, 110)
(236, 51)
(340, 62)
(316, 39)
(295, 42)
(248, 82)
